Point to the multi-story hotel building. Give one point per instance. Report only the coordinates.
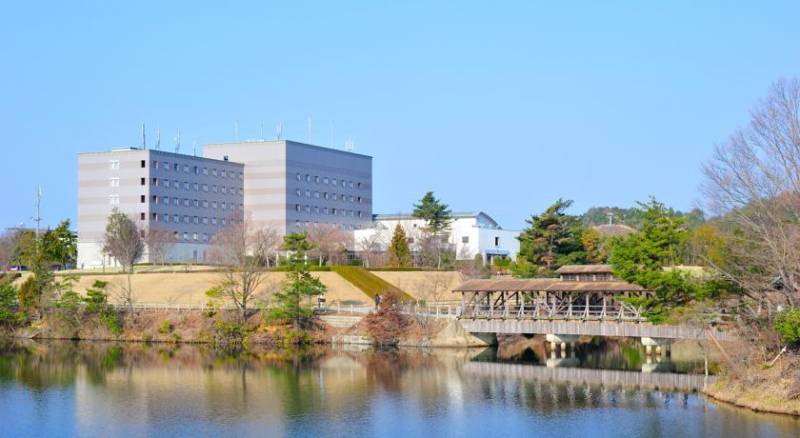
(190, 197)
(290, 185)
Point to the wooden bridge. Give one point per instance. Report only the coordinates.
(585, 300)
(588, 376)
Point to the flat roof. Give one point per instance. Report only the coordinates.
(296, 143)
(160, 152)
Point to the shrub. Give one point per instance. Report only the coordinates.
(386, 325)
(787, 324)
(112, 322)
(8, 303)
(165, 327)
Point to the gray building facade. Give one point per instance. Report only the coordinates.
(290, 185)
(189, 197)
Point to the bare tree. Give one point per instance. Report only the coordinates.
(242, 276)
(7, 243)
(372, 248)
(753, 181)
(267, 241)
(329, 241)
(159, 242)
(123, 241)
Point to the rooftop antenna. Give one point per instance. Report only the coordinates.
(349, 145)
(309, 129)
(38, 203)
(236, 130)
(194, 148)
(158, 138)
(178, 141)
(144, 138)
(279, 130)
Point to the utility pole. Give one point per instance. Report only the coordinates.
(38, 217)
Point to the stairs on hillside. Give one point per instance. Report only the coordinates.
(341, 321)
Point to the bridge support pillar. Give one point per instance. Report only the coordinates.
(660, 345)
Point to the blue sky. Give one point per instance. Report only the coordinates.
(497, 106)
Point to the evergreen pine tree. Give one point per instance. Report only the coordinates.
(399, 253)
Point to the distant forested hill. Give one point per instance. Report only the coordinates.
(633, 216)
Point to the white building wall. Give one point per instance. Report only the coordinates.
(469, 234)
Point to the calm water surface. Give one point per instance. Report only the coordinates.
(97, 389)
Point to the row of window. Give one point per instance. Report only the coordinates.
(176, 167)
(325, 210)
(197, 203)
(185, 219)
(301, 224)
(326, 195)
(197, 170)
(325, 180)
(163, 182)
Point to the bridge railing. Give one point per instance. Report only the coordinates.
(611, 311)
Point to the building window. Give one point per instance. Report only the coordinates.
(316, 179)
(205, 171)
(214, 172)
(155, 217)
(196, 170)
(113, 182)
(176, 167)
(155, 182)
(142, 199)
(496, 241)
(222, 205)
(155, 199)
(308, 178)
(176, 218)
(186, 168)
(214, 204)
(143, 164)
(205, 203)
(113, 199)
(166, 183)
(142, 181)
(185, 235)
(142, 216)
(196, 187)
(333, 181)
(222, 173)
(196, 203)
(465, 239)
(113, 164)
(325, 180)
(165, 166)
(359, 185)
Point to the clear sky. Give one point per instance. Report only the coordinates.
(495, 106)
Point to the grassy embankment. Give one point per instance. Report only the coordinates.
(370, 283)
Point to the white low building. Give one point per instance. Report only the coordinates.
(470, 234)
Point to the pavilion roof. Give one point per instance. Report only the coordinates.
(544, 284)
(584, 269)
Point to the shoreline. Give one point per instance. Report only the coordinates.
(742, 402)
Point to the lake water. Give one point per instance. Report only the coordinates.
(100, 389)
